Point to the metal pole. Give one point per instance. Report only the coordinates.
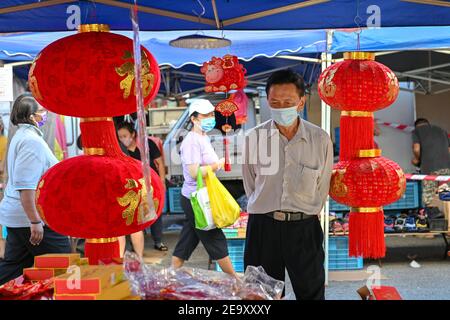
(326, 125)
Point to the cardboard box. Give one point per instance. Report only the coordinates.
(120, 291)
(93, 280)
(36, 274)
(56, 261)
(379, 293)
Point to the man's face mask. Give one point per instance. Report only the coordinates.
(284, 116)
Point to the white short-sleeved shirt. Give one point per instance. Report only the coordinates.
(29, 157)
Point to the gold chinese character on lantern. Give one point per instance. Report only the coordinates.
(136, 200)
(127, 70)
(338, 186)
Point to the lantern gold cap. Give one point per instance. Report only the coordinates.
(96, 27)
(359, 55)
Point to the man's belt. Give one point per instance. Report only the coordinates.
(289, 216)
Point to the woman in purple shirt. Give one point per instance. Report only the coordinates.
(197, 151)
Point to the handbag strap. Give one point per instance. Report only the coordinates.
(199, 178)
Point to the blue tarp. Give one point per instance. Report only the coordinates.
(247, 45)
(387, 39)
(306, 14)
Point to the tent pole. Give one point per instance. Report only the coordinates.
(159, 12)
(216, 14)
(430, 2)
(306, 59)
(326, 125)
(36, 5)
(271, 12)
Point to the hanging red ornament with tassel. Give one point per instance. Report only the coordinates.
(227, 108)
(100, 195)
(362, 179)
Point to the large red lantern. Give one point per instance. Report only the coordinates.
(365, 185)
(102, 194)
(116, 196)
(362, 179)
(358, 84)
(91, 74)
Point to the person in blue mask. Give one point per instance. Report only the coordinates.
(287, 189)
(197, 152)
(29, 157)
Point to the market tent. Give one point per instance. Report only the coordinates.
(59, 15)
(245, 44)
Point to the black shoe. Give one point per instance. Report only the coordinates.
(161, 247)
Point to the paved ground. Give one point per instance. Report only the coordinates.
(429, 282)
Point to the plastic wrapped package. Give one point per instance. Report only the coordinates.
(20, 289)
(152, 282)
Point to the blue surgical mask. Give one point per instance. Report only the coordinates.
(208, 124)
(284, 116)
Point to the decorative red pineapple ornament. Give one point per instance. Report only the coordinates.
(100, 195)
(362, 179)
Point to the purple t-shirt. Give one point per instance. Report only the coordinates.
(195, 148)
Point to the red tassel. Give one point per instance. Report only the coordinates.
(101, 249)
(366, 235)
(356, 134)
(226, 144)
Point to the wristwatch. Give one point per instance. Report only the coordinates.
(36, 222)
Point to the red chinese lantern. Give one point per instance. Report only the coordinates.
(224, 74)
(358, 84)
(91, 74)
(362, 179)
(100, 195)
(365, 185)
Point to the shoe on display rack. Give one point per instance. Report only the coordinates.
(389, 225)
(410, 224)
(399, 224)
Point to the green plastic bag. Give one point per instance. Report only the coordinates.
(225, 209)
(201, 205)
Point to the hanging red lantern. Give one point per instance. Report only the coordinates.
(224, 74)
(373, 182)
(367, 184)
(81, 197)
(100, 195)
(358, 84)
(362, 179)
(91, 74)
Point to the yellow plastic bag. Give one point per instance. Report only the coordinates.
(225, 210)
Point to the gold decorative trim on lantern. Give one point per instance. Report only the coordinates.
(102, 240)
(356, 114)
(94, 151)
(366, 209)
(96, 119)
(369, 153)
(358, 55)
(96, 27)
